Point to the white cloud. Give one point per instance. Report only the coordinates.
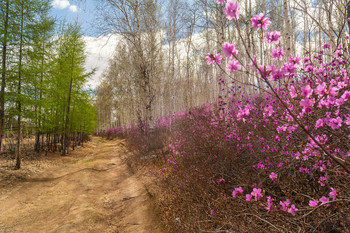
(60, 4)
(73, 8)
(99, 51)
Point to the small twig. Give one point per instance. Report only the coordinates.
(315, 208)
(324, 221)
(264, 220)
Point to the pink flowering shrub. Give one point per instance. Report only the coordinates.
(275, 161)
(238, 158)
(113, 133)
(146, 141)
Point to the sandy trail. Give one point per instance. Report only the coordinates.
(92, 192)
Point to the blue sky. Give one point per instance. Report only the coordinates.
(83, 11)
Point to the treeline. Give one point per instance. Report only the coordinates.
(42, 80)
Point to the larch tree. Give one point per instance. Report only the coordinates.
(24, 21)
(40, 62)
(70, 77)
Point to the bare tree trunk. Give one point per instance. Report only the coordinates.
(19, 108)
(287, 28)
(329, 10)
(348, 14)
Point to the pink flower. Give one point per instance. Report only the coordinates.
(244, 112)
(237, 191)
(335, 123)
(268, 111)
(277, 74)
(326, 45)
(346, 95)
(233, 66)
(220, 1)
(333, 91)
(229, 50)
(273, 37)
(338, 53)
(285, 204)
(319, 123)
(248, 197)
(269, 204)
(289, 68)
(221, 181)
(218, 58)
(277, 54)
(293, 92)
(265, 71)
(306, 91)
(257, 194)
(306, 104)
(273, 176)
(313, 203)
(212, 59)
(294, 60)
(292, 210)
(232, 10)
(260, 22)
(333, 194)
(306, 170)
(321, 89)
(324, 200)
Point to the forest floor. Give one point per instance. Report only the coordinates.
(90, 190)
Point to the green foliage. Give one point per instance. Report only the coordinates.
(45, 73)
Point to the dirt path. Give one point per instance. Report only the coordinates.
(91, 192)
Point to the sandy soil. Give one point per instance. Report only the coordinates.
(91, 190)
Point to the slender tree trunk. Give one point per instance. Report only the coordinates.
(37, 147)
(287, 29)
(19, 107)
(71, 127)
(66, 139)
(82, 135)
(3, 73)
(348, 14)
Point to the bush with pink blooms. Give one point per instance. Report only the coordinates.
(274, 161)
(113, 133)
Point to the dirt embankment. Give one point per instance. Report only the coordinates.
(91, 190)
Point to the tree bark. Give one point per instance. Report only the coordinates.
(66, 140)
(348, 14)
(287, 28)
(3, 72)
(19, 107)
